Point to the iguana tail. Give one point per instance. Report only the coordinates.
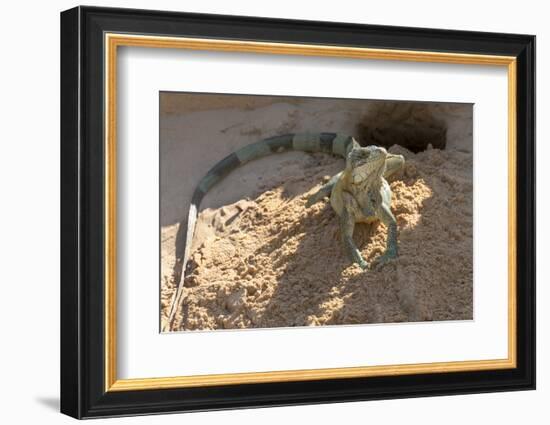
(331, 143)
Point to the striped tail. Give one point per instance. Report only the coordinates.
(330, 143)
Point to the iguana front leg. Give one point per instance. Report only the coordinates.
(347, 225)
(324, 191)
(385, 215)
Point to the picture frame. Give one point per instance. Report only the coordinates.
(90, 40)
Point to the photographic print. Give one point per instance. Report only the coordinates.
(300, 211)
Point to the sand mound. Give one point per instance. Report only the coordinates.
(271, 262)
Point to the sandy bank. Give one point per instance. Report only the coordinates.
(270, 261)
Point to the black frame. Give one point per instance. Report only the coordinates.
(82, 203)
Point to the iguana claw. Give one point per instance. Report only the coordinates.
(313, 199)
(363, 264)
(383, 259)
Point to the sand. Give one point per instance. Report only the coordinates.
(268, 261)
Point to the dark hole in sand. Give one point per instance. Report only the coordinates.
(408, 124)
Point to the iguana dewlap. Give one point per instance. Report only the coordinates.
(360, 193)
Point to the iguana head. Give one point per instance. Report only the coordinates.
(366, 162)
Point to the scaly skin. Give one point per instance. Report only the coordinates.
(360, 193)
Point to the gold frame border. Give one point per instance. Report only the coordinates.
(113, 41)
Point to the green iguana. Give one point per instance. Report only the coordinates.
(358, 194)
